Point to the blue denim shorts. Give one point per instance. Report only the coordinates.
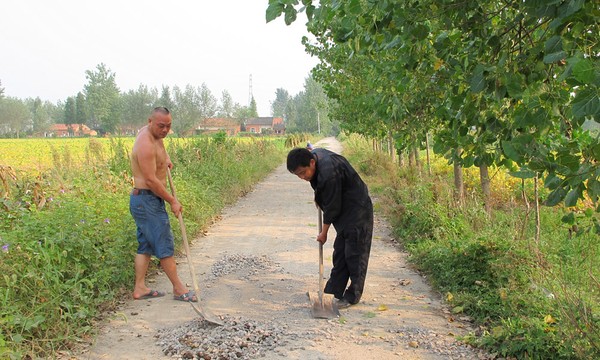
(154, 233)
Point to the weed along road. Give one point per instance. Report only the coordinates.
(255, 266)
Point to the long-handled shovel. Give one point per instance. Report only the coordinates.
(209, 318)
(322, 307)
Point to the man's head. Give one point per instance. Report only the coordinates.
(159, 122)
(302, 163)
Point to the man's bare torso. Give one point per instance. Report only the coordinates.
(148, 147)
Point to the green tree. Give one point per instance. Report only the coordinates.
(226, 107)
(252, 110)
(103, 98)
(81, 114)
(70, 116)
(241, 113)
(165, 98)
(15, 117)
(517, 78)
(311, 108)
(40, 114)
(137, 106)
(291, 116)
(186, 111)
(278, 106)
(208, 105)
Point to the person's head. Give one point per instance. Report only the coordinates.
(302, 163)
(159, 122)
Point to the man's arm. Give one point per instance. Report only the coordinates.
(322, 237)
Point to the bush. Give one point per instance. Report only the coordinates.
(529, 300)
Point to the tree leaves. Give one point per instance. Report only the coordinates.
(556, 196)
(274, 10)
(554, 50)
(507, 84)
(586, 103)
(584, 71)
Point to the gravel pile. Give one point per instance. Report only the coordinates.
(232, 263)
(444, 345)
(238, 338)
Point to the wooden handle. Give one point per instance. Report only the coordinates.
(186, 245)
(320, 222)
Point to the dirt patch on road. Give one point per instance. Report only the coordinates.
(255, 267)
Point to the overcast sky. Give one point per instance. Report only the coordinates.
(46, 47)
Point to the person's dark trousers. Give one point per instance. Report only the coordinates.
(350, 261)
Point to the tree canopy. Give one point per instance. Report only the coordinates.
(510, 83)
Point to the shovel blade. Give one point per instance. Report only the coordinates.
(325, 309)
(207, 317)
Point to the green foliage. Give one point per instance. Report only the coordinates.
(68, 240)
(220, 137)
(508, 83)
(528, 300)
(103, 97)
(297, 139)
(13, 116)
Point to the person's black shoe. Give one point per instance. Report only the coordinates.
(342, 303)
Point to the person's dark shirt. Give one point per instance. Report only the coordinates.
(339, 190)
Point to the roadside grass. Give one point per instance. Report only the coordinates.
(528, 300)
(68, 240)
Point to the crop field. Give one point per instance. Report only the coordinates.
(37, 155)
(34, 156)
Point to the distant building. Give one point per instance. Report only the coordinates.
(265, 125)
(64, 130)
(213, 125)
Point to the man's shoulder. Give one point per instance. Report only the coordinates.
(144, 143)
(321, 152)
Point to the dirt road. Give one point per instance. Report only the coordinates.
(255, 266)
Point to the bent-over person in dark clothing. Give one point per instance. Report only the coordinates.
(344, 199)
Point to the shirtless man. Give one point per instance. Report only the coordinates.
(149, 162)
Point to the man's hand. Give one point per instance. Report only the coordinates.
(322, 237)
(176, 207)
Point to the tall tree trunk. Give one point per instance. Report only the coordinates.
(537, 211)
(401, 160)
(528, 210)
(484, 177)
(417, 159)
(411, 157)
(459, 185)
(391, 148)
(427, 151)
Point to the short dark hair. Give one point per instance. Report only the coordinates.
(161, 109)
(298, 157)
